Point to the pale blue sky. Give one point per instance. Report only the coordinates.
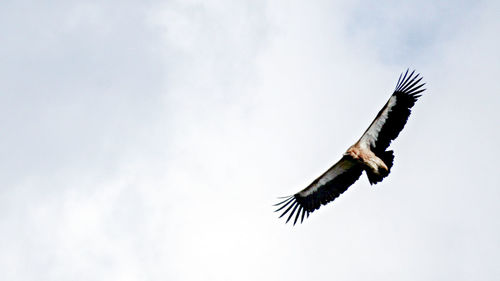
(148, 140)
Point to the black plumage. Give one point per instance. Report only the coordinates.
(367, 154)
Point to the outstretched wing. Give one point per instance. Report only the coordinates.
(322, 190)
(393, 116)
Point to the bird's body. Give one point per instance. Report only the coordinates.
(366, 158)
(367, 154)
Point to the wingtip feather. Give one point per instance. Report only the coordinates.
(297, 216)
(286, 211)
(402, 80)
(287, 203)
(291, 214)
(287, 198)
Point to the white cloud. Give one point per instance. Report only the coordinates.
(149, 141)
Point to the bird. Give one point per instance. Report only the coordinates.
(368, 154)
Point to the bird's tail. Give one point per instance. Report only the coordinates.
(388, 158)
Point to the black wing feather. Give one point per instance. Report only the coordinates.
(322, 195)
(396, 115)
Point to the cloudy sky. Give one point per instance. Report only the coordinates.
(147, 140)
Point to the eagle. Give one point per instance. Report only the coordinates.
(368, 154)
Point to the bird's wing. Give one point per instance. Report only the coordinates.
(322, 190)
(393, 116)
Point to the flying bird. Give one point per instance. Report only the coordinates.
(368, 154)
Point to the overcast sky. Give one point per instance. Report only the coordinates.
(147, 140)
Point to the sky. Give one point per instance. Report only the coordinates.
(148, 140)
